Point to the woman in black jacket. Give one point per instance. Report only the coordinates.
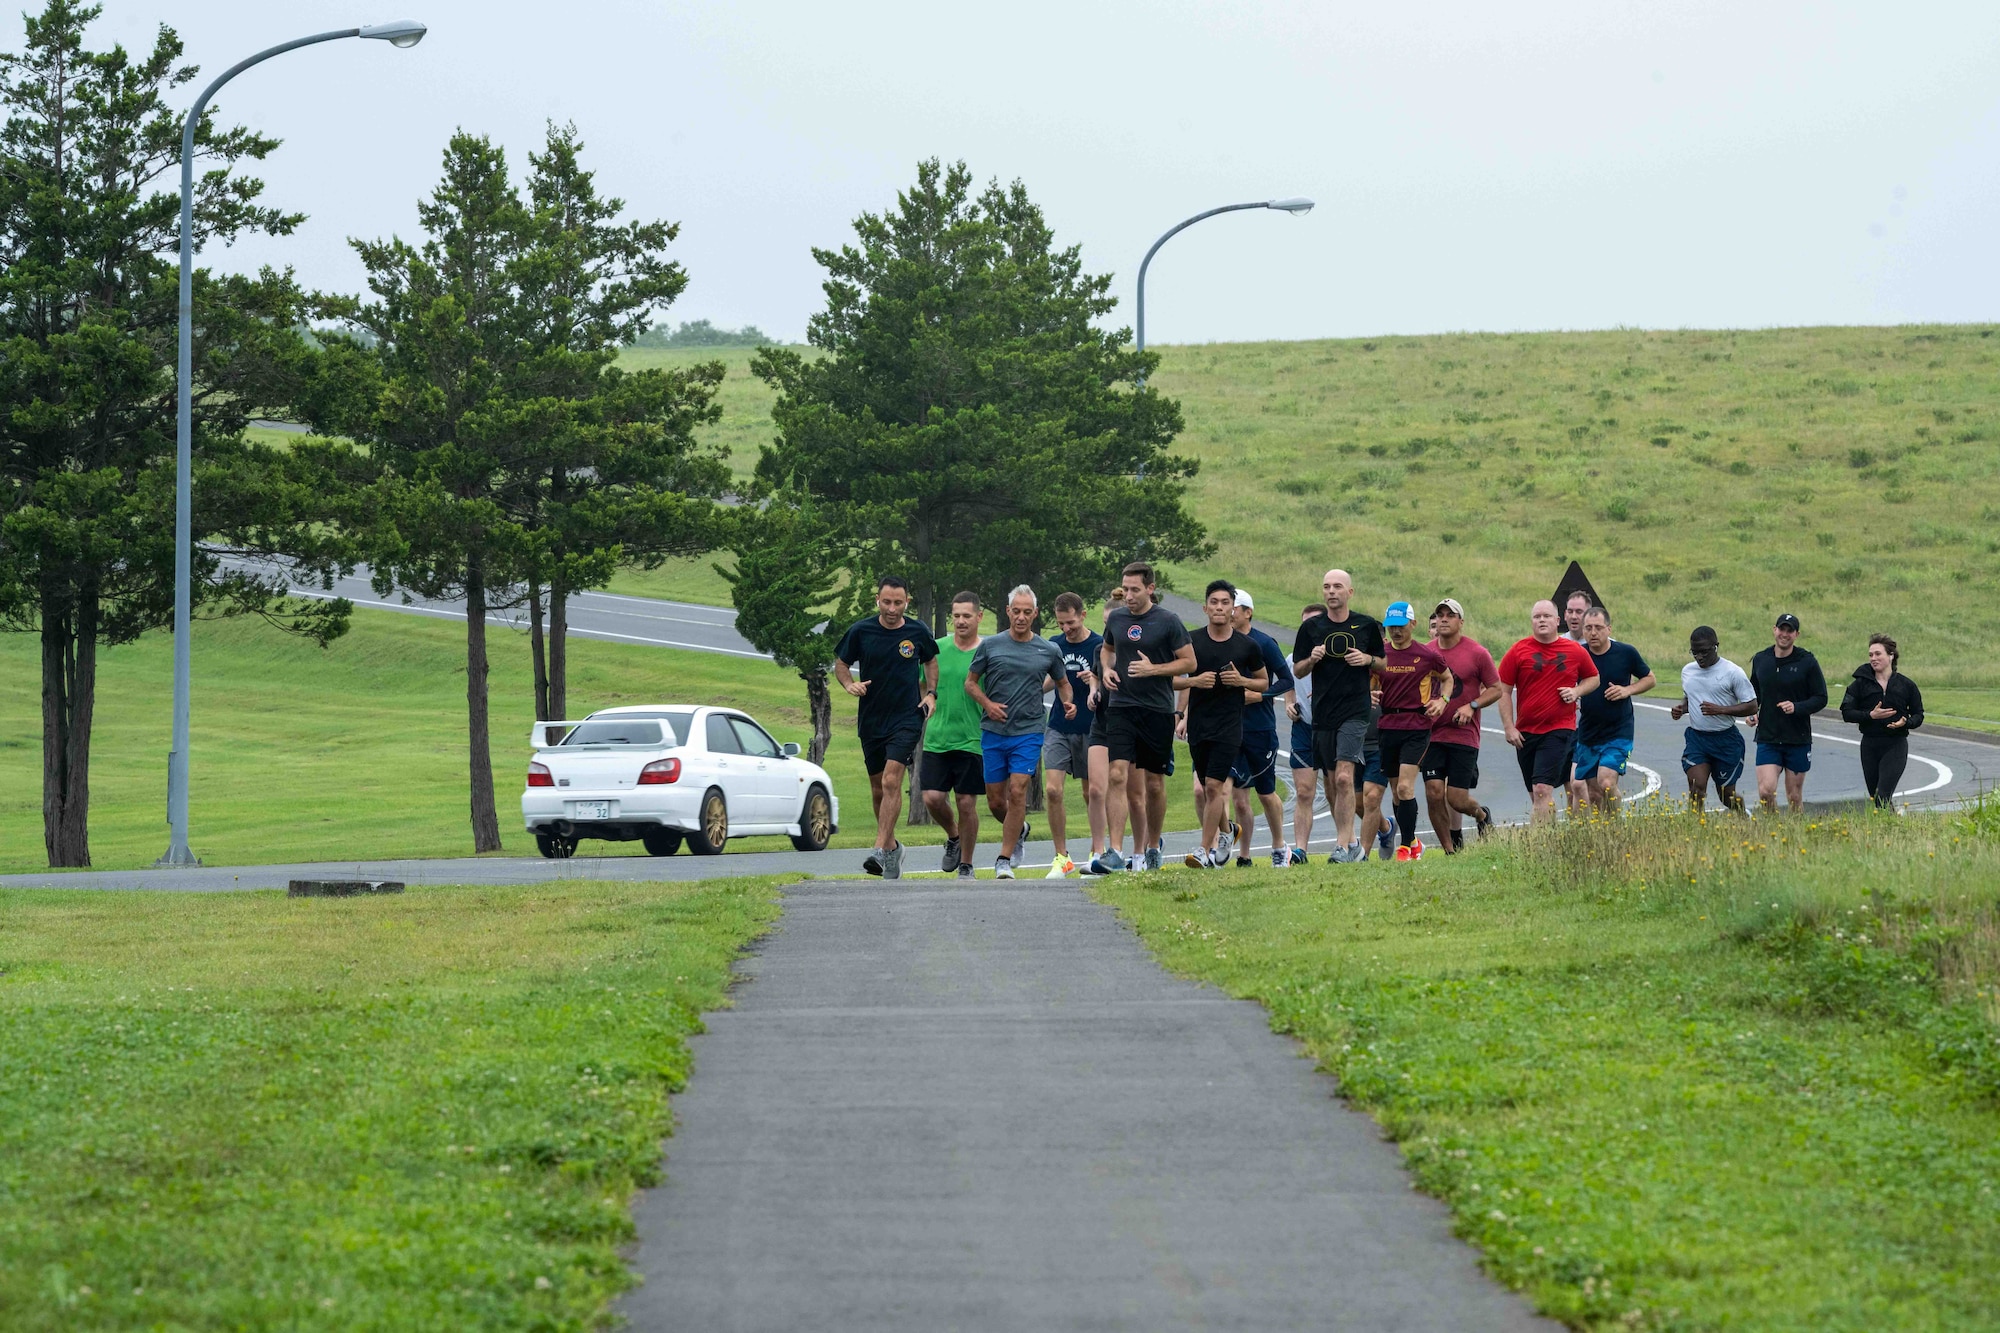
(1887, 706)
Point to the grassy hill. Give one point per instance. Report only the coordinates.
(1847, 474)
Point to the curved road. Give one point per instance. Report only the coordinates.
(1944, 768)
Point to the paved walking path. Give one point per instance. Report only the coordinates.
(941, 1107)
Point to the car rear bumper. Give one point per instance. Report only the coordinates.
(632, 811)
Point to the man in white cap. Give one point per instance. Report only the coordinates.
(1257, 765)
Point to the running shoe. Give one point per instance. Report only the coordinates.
(1299, 857)
(1280, 858)
(1197, 858)
(950, 855)
(1242, 861)
(1226, 839)
(892, 862)
(964, 870)
(1027, 832)
(1385, 840)
(1062, 867)
(1484, 819)
(1458, 840)
(1356, 852)
(873, 865)
(1107, 862)
(1416, 849)
(1003, 868)
(1154, 857)
(1338, 857)
(1405, 854)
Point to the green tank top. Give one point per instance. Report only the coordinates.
(955, 725)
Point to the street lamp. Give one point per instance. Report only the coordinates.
(399, 33)
(1296, 207)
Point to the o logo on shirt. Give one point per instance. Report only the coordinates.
(1134, 633)
(906, 648)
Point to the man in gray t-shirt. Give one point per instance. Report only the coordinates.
(1006, 678)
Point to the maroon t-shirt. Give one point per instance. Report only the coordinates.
(1537, 670)
(1411, 678)
(1472, 671)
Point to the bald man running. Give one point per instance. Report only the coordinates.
(1340, 650)
(1541, 678)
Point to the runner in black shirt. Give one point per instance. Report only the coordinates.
(1341, 650)
(1145, 647)
(894, 654)
(1790, 689)
(1226, 663)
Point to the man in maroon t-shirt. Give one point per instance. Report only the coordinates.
(1451, 765)
(1541, 679)
(1415, 685)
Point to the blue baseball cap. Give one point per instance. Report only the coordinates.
(1399, 613)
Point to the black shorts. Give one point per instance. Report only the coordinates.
(899, 746)
(1545, 758)
(1453, 765)
(960, 771)
(1215, 756)
(1100, 723)
(1142, 736)
(1401, 748)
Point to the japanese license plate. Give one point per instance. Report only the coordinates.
(590, 809)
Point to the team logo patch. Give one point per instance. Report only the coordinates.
(1134, 633)
(906, 648)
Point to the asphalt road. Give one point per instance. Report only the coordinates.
(988, 1108)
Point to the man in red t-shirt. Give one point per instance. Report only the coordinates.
(1415, 684)
(1451, 765)
(1541, 679)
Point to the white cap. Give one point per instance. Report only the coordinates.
(1243, 600)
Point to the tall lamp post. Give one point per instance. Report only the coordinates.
(400, 33)
(1296, 207)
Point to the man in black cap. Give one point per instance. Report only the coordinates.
(1790, 689)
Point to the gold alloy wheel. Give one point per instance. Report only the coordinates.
(821, 817)
(715, 820)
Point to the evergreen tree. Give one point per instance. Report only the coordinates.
(970, 425)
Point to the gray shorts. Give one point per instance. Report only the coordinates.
(1067, 751)
(1341, 746)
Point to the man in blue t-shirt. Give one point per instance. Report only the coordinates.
(1066, 749)
(1604, 724)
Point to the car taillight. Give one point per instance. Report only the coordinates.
(660, 772)
(538, 776)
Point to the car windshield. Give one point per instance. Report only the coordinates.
(680, 719)
(616, 731)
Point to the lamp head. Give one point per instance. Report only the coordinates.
(1296, 207)
(403, 33)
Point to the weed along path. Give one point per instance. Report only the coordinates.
(940, 1106)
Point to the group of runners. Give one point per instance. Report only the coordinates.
(1377, 715)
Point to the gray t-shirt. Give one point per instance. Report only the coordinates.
(1011, 673)
(1158, 634)
(1724, 683)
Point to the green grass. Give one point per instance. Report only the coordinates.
(1748, 1079)
(745, 399)
(1845, 474)
(239, 1111)
(359, 750)
(691, 580)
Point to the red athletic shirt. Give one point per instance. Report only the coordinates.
(1472, 670)
(1536, 671)
(1410, 680)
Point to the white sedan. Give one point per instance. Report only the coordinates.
(664, 774)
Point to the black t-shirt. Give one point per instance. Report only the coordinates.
(892, 662)
(1339, 691)
(1158, 634)
(1217, 713)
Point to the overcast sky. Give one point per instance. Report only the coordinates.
(1477, 166)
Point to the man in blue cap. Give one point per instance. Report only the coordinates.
(1416, 685)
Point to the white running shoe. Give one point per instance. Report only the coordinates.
(1062, 868)
(1003, 869)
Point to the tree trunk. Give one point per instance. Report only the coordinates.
(542, 713)
(558, 650)
(485, 818)
(69, 695)
(819, 702)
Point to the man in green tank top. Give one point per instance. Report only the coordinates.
(953, 768)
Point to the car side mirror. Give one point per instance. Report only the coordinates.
(790, 749)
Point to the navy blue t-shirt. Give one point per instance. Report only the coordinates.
(1077, 659)
(1603, 719)
(1261, 718)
